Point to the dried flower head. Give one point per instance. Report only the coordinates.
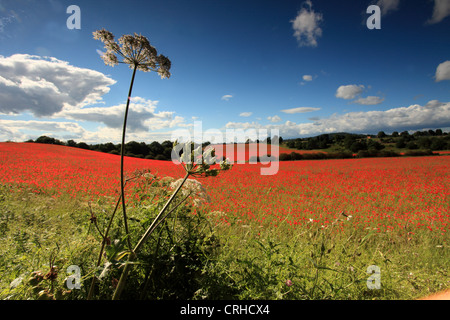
(198, 162)
(192, 188)
(134, 50)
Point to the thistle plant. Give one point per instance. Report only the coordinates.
(136, 51)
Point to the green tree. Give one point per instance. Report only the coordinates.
(401, 143)
(357, 146)
(412, 145)
(438, 144)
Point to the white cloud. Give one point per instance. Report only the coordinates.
(274, 119)
(245, 114)
(434, 114)
(443, 71)
(440, 12)
(144, 123)
(388, 6)
(349, 92)
(18, 129)
(45, 86)
(307, 77)
(300, 110)
(369, 101)
(306, 26)
(141, 116)
(227, 97)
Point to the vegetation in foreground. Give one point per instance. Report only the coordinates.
(197, 256)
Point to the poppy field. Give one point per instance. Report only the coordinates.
(404, 203)
(386, 194)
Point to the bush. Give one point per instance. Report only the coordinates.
(387, 153)
(314, 156)
(419, 153)
(285, 157)
(340, 155)
(296, 156)
(412, 145)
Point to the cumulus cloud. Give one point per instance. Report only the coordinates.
(245, 114)
(274, 119)
(434, 114)
(440, 12)
(16, 130)
(45, 86)
(388, 6)
(227, 97)
(307, 26)
(104, 123)
(141, 116)
(300, 110)
(369, 101)
(443, 71)
(349, 92)
(306, 78)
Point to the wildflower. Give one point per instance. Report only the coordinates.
(136, 51)
(148, 175)
(166, 180)
(194, 188)
(197, 163)
(289, 283)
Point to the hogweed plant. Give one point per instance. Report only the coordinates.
(136, 51)
(196, 164)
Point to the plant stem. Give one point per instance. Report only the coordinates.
(132, 255)
(150, 229)
(91, 290)
(122, 151)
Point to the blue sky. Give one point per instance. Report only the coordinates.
(301, 67)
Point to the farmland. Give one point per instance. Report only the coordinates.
(401, 204)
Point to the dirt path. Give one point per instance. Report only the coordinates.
(445, 295)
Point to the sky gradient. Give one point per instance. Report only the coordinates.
(302, 67)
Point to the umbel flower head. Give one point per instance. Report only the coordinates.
(196, 162)
(134, 50)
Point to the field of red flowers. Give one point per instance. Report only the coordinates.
(407, 193)
(244, 152)
(72, 171)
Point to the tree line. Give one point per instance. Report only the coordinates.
(154, 150)
(337, 146)
(433, 140)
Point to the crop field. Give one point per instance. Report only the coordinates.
(389, 193)
(405, 198)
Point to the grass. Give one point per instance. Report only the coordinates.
(197, 256)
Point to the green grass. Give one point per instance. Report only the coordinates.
(199, 257)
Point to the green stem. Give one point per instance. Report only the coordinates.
(91, 290)
(122, 151)
(150, 229)
(132, 255)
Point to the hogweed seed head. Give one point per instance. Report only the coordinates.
(134, 50)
